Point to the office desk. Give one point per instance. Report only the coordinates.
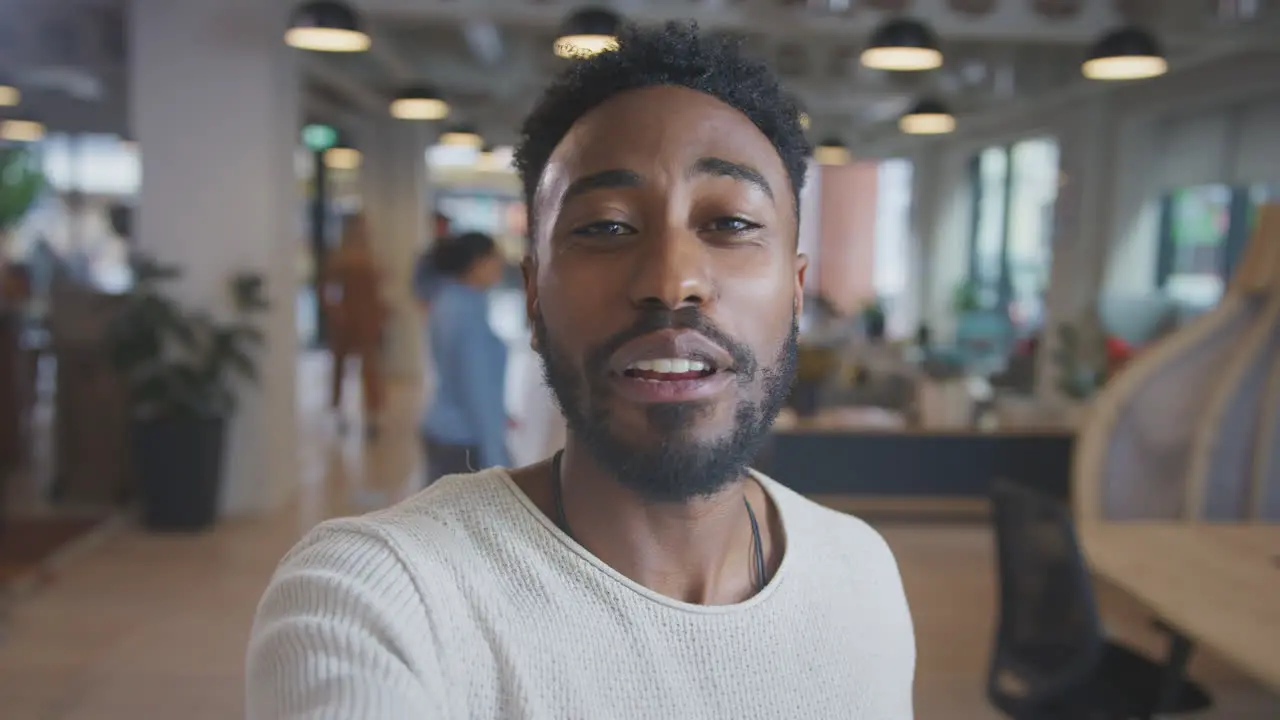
(869, 454)
(1218, 585)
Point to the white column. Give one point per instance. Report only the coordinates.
(1083, 229)
(215, 110)
(394, 180)
(926, 210)
(946, 240)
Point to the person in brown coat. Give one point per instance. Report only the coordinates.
(356, 316)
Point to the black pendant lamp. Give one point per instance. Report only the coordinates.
(10, 95)
(343, 156)
(462, 136)
(928, 117)
(1129, 53)
(21, 129)
(586, 32)
(831, 152)
(902, 45)
(326, 26)
(419, 103)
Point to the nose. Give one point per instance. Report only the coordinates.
(671, 270)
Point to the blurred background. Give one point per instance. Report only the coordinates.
(1041, 351)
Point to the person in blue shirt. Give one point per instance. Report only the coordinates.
(465, 425)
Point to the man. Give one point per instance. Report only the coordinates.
(644, 572)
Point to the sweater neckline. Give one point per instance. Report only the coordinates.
(771, 489)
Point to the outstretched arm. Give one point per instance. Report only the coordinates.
(342, 634)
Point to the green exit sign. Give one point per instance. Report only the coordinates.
(319, 137)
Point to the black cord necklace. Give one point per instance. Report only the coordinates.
(557, 492)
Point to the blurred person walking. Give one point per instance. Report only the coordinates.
(465, 425)
(356, 315)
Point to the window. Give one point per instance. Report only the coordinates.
(1203, 231)
(1015, 188)
(1029, 245)
(992, 184)
(1198, 220)
(893, 228)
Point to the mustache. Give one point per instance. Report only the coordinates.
(685, 318)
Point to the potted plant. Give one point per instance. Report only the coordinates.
(966, 298)
(21, 183)
(1079, 369)
(815, 364)
(874, 319)
(182, 368)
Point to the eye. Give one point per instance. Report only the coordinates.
(602, 228)
(735, 225)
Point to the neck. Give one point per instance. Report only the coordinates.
(699, 551)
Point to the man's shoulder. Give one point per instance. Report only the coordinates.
(419, 534)
(838, 535)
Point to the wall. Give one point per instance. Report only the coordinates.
(847, 234)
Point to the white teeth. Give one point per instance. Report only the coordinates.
(669, 366)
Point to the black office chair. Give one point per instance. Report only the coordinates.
(1052, 659)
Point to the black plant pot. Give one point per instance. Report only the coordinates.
(806, 397)
(179, 463)
(875, 325)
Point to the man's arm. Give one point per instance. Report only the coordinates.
(342, 633)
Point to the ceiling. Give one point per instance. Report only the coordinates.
(491, 57)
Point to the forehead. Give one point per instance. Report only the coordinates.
(659, 131)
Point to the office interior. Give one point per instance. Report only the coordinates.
(1040, 351)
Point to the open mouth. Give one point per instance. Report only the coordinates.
(669, 370)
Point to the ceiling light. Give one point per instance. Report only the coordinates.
(831, 152)
(495, 159)
(1129, 53)
(928, 117)
(587, 32)
(419, 104)
(9, 95)
(342, 157)
(462, 136)
(21, 130)
(326, 26)
(902, 45)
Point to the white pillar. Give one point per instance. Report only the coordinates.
(945, 221)
(1083, 229)
(394, 179)
(926, 209)
(215, 110)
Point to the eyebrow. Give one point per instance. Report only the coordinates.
(603, 180)
(724, 168)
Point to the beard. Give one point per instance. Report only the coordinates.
(678, 466)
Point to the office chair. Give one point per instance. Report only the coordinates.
(1052, 659)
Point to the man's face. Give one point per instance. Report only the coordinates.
(664, 288)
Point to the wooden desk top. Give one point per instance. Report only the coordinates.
(1217, 583)
(871, 421)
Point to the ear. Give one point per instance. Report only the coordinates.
(802, 269)
(529, 269)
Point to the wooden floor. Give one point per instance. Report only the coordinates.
(139, 627)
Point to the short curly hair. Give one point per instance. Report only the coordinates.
(676, 54)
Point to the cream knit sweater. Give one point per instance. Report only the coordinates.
(465, 601)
